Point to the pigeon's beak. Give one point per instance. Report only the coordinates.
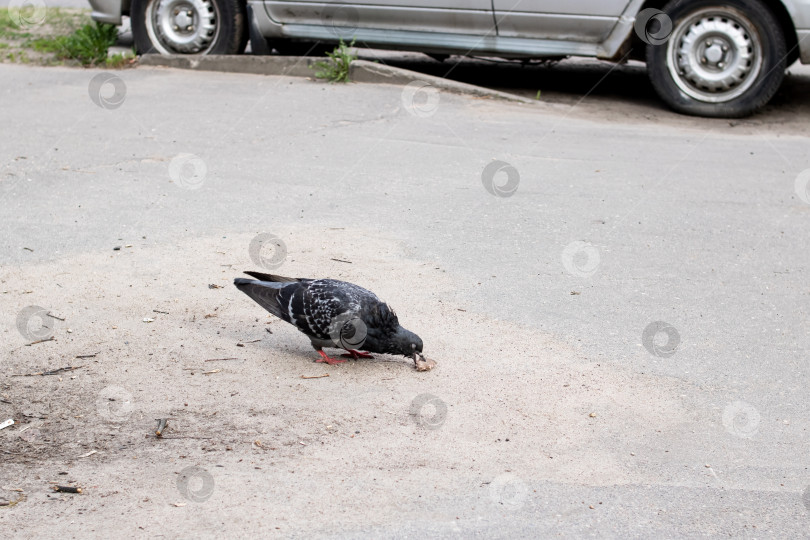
(416, 356)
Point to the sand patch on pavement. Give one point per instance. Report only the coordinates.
(508, 406)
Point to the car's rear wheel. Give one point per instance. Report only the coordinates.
(722, 59)
(189, 26)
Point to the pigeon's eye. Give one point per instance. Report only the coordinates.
(413, 346)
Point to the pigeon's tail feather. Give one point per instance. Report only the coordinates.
(271, 277)
(266, 294)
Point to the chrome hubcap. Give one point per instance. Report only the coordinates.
(182, 26)
(715, 56)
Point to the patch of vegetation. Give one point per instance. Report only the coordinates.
(89, 44)
(20, 57)
(7, 28)
(121, 60)
(47, 45)
(16, 24)
(64, 36)
(336, 67)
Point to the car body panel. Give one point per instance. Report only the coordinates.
(433, 42)
(553, 26)
(799, 11)
(475, 18)
(107, 11)
(597, 8)
(804, 45)
(576, 20)
(469, 42)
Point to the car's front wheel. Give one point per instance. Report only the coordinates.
(723, 59)
(189, 26)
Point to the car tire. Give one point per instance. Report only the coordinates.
(189, 26)
(722, 59)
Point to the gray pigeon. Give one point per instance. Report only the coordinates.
(333, 313)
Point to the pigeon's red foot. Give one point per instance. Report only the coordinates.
(356, 354)
(329, 360)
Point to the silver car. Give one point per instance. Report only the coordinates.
(704, 57)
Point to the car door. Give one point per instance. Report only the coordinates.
(449, 16)
(568, 20)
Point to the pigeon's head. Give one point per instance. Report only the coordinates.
(405, 342)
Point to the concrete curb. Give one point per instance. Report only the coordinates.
(292, 66)
(299, 66)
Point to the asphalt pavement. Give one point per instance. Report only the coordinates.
(662, 245)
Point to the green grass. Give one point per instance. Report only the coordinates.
(336, 67)
(47, 45)
(5, 22)
(54, 17)
(120, 60)
(88, 45)
(19, 57)
(66, 36)
(9, 29)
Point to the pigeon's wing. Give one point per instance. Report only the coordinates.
(273, 278)
(274, 297)
(325, 305)
(313, 306)
(333, 309)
